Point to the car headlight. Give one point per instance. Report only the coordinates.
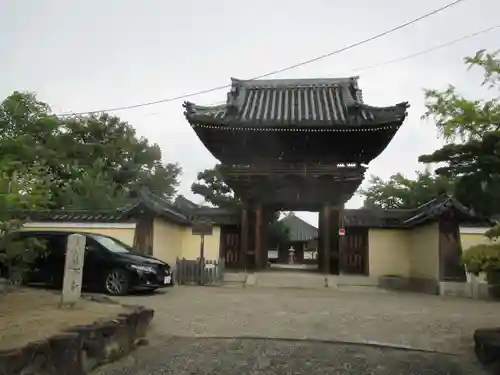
(142, 268)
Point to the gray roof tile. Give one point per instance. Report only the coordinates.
(296, 102)
(298, 229)
(302, 101)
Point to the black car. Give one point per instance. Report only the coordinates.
(109, 264)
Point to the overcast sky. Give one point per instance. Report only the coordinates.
(88, 55)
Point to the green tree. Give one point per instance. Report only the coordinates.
(94, 189)
(21, 188)
(76, 150)
(402, 192)
(26, 133)
(128, 160)
(471, 128)
(211, 186)
(458, 118)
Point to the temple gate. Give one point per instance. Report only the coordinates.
(295, 144)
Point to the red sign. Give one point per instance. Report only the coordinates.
(341, 232)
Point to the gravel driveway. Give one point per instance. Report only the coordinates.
(187, 356)
(405, 319)
(260, 331)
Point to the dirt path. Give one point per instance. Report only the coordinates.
(33, 314)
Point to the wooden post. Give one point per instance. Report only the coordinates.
(202, 258)
(259, 238)
(244, 239)
(202, 228)
(341, 239)
(265, 236)
(319, 245)
(450, 249)
(327, 235)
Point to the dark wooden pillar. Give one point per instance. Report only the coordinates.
(265, 235)
(341, 239)
(319, 245)
(326, 240)
(333, 231)
(450, 248)
(143, 235)
(259, 236)
(243, 239)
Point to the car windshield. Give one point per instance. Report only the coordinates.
(111, 244)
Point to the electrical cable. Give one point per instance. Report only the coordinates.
(428, 50)
(399, 59)
(287, 68)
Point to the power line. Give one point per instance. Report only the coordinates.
(428, 50)
(287, 68)
(399, 59)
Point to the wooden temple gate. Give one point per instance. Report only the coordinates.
(344, 254)
(295, 144)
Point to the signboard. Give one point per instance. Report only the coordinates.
(73, 269)
(341, 232)
(202, 228)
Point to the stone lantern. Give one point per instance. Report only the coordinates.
(291, 255)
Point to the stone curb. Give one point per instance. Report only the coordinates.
(487, 348)
(80, 349)
(374, 344)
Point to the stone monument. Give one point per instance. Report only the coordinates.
(73, 269)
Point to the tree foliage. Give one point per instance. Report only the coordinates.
(458, 118)
(211, 186)
(472, 129)
(482, 258)
(21, 188)
(93, 162)
(400, 191)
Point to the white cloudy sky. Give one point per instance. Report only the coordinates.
(88, 55)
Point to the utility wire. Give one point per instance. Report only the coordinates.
(396, 60)
(287, 68)
(428, 50)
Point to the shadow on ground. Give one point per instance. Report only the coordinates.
(182, 355)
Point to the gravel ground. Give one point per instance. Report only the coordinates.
(406, 319)
(199, 356)
(210, 330)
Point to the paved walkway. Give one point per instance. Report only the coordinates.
(415, 320)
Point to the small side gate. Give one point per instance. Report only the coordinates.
(199, 272)
(230, 245)
(355, 256)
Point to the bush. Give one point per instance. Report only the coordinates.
(17, 255)
(482, 258)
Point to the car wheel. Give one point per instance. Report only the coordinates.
(116, 282)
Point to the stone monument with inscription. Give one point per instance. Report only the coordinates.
(73, 269)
